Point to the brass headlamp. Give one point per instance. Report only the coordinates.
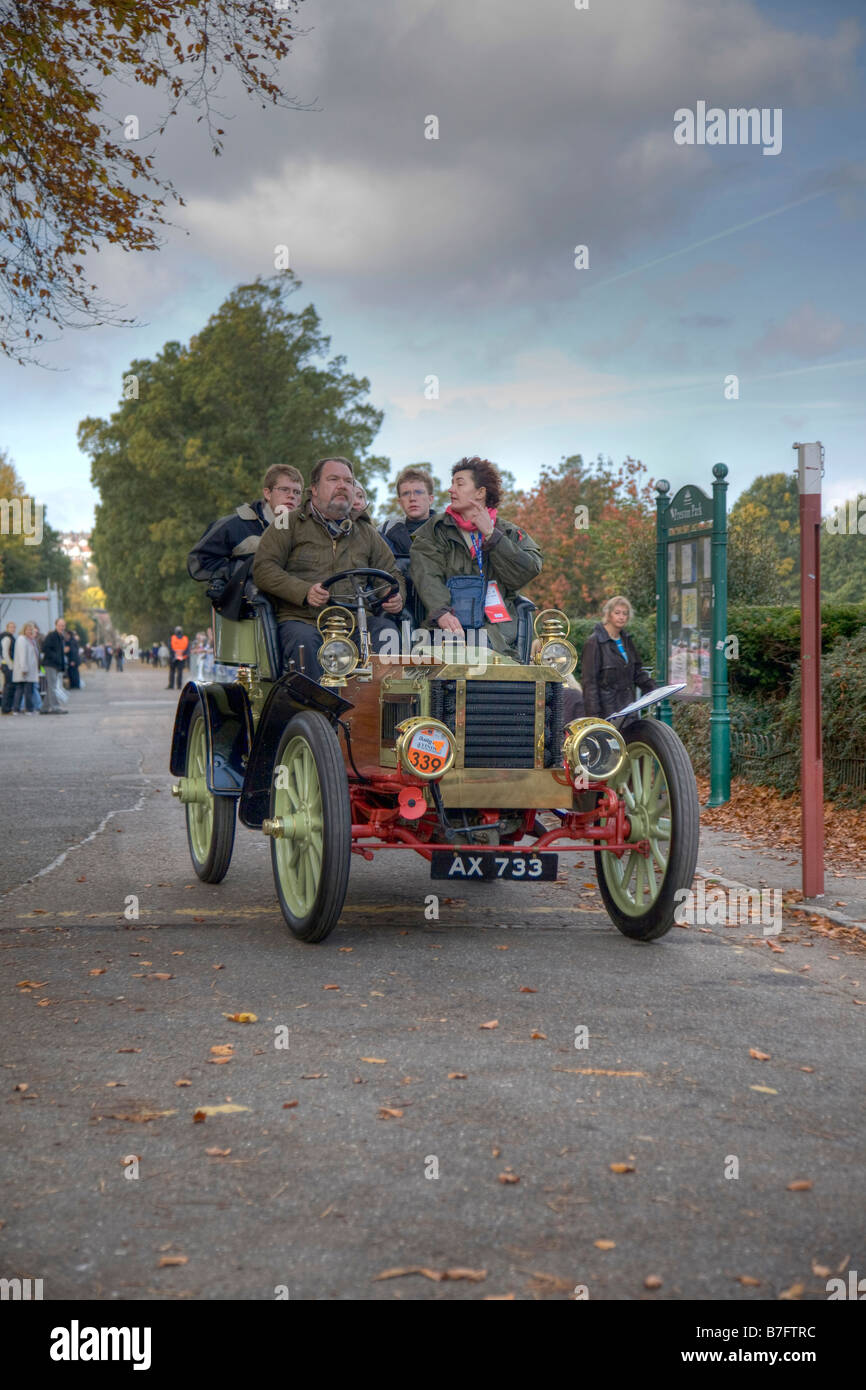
(593, 750)
(551, 627)
(338, 657)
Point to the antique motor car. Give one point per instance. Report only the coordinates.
(449, 750)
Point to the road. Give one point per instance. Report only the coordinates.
(393, 1131)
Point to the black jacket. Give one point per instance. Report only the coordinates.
(53, 650)
(227, 543)
(608, 682)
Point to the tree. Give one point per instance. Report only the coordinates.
(252, 389)
(71, 178)
(589, 520)
(843, 553)
(769, 510)
(28, 560)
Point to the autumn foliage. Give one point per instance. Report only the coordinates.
(590, 555)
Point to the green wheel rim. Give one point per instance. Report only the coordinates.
(298, 803)
(634, 880)
(199, 814)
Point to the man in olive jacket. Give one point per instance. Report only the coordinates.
(470, 539)
(300, 549)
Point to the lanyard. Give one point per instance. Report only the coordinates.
(477, 543)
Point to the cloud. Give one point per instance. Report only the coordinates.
(806, 332)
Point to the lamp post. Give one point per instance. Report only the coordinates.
(810, 467)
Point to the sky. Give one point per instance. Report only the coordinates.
(454, 257)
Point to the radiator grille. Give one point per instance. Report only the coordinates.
(394, 709)
(500, 721)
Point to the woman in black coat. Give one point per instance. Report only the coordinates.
(611, 666)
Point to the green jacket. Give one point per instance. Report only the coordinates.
(439, 552)
(299, 553)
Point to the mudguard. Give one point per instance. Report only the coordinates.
(287, 696)
(229, 724)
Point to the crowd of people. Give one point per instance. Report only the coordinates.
(26, 657)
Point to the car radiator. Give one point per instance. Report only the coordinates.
(500, 720)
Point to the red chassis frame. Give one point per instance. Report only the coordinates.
(371, 820)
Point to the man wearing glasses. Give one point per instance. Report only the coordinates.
(415, 494)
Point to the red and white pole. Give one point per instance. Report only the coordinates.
(810, 467)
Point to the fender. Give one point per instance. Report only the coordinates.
(287, 696)
(229, 725)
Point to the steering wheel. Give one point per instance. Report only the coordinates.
(380, 586)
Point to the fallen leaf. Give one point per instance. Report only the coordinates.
(130, 1158)
(764, 1090)
(100, 971)
(386, 1114)
(289, 1104)
(241, 1018)
(83, 879)
(622, 1167)
(474, 1275)
(173, 1260)
(378, 1061)
(129, 1049)
(115, 1083)
(499, 1298)
(330, 986)
(759, 1056)
(159, 975)
(822, 1271)
(457, 1076)
(500, 948)
(313, 1075)
(494, 1023)
(217, 1153)
(807, 1069)
(143, 1116)
(605, 1244)
(177, 953)
(749, 1281)
(527, 989)
(652, 1281)
(21, 1086)
(800, 1185)
(223, 1050)
(217, 967)
(31, 984)
(345, 948)
(793, 1292)
(600, 1071)
(508, 1177)
(183, 1083)
(205, 1110)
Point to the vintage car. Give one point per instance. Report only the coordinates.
(449, 750)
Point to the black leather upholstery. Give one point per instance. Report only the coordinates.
(264, 612)
(523, 642)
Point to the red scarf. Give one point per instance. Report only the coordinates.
(467, 525)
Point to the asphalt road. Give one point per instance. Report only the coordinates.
(312, 1189)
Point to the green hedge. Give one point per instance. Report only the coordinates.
(769, 642)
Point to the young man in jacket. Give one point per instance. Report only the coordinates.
(54, 661)
(611, 666)
(224, 551)
(415, 494)
(320, 540)
(471, 541)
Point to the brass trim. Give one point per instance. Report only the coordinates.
(506, 788)
(460, 722)
(540, 701)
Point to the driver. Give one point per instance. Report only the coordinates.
(320, 540)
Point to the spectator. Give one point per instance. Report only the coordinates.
(118, 657)
(179, 650)
(87, 654)
(54, 660)
(26, 672)
(109, 653)
(163, 654)
(611, 666)
(7, 657)
(223, 555)
(73, 658)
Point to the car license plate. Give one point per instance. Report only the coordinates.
(464, 864)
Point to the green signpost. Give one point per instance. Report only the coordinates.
(692, 610)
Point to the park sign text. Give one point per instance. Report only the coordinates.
(690, 505)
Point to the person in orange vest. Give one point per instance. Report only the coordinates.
(179, 647)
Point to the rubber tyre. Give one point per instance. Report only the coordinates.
(311, 870)
(639, 897)
(210, 829)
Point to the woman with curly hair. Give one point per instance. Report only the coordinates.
(469, 564)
